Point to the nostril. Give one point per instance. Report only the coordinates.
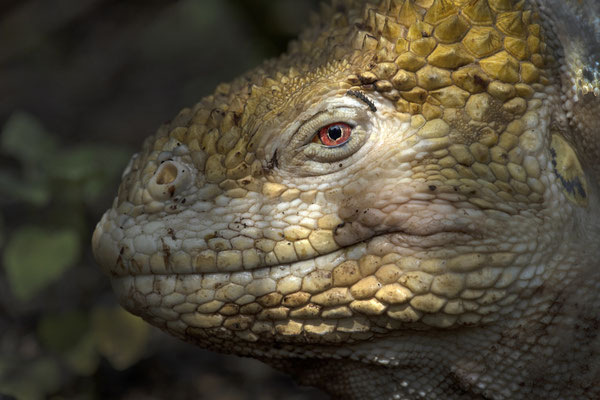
(170, 179)
(167, 173)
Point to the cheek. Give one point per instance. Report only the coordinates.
(418, 175)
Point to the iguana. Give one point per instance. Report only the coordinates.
(403, 206)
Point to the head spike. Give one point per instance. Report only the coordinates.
(483, 41)
(511, 23)
(479, 12)
(502, 5)
(408, 14)
(439, 10)
(452, 29)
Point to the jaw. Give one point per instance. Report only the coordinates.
(483, 359)
(388, 284)
(445, 363)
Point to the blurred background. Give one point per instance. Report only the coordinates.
(82, 82)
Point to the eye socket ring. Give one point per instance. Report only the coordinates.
(321, 141)
(333, 135)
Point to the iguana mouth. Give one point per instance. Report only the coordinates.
(127, 261)
(433, 240)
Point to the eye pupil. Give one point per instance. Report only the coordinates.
(334, 132)
(333, 135)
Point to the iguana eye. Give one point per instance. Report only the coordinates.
(320, 140)
(333, 135)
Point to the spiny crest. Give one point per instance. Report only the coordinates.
(427, 40)
(479, 12)
(439, 10)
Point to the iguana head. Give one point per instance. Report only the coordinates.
(409, 177)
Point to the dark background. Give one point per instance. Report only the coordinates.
(82, 82)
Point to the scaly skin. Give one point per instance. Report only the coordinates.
(448, 250)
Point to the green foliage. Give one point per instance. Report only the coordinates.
(2, 235)
(68, 335)
(83, 357)
(79, 339)
(33, 191)
(25, 138)
(58, 183)
(52, 173)
(31, 380)
(57, 186)
(120, 336)
(75, 340)
(59, 333)
(36, 257)
(86, 172)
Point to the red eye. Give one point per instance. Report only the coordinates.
(333, 135)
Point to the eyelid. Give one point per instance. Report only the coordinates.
(307, 158)
(309, 128)
(320, 153)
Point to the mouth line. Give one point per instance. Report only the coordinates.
(402, 239)
(432, 240)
